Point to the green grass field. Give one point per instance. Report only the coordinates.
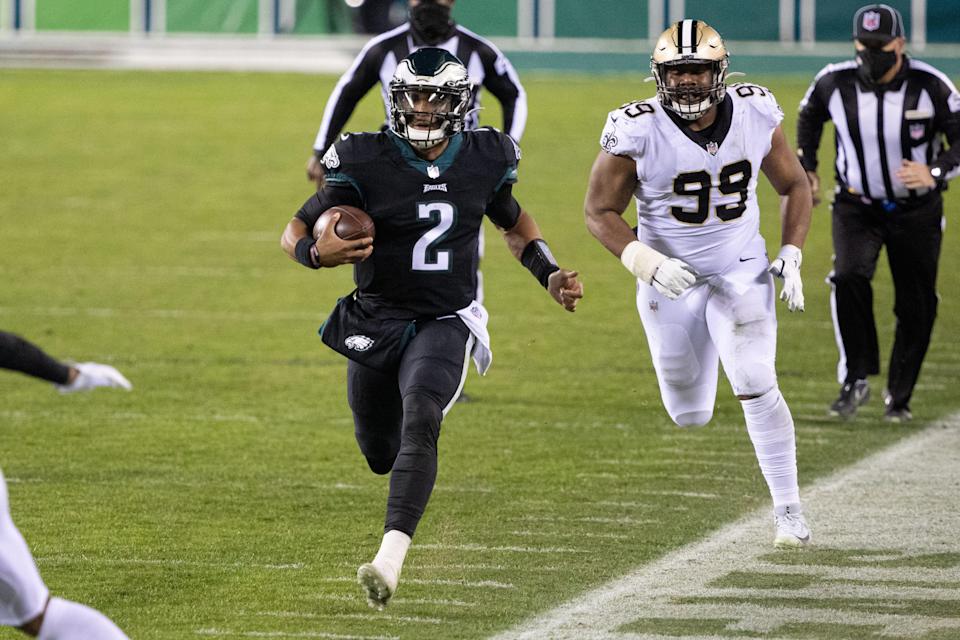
(140, 217)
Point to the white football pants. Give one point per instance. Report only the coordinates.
(23, 594)
(728, 318)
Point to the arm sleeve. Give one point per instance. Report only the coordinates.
(352, 86)
(503, 209)
(330, 195)
(810, 121)
(948, 121)
(501, 79)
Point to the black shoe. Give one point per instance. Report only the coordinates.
(897, 414)
(852, 396)
(894, 413)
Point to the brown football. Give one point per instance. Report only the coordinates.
(353, 223)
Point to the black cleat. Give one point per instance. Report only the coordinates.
(893, 413)
(852, 396)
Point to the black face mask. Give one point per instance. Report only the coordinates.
(874, 63)
(431, 21)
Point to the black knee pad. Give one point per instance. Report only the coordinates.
(381, 466)
(421, 419)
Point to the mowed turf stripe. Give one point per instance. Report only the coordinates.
(885, 560)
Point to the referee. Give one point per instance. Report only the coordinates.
(891, 115)
(430, 24)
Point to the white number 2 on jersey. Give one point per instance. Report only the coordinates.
(425, 256)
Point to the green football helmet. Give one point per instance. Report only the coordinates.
(429, 97)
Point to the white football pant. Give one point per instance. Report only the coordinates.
(23, 595)
(728, 318)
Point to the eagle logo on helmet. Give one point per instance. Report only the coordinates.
(429, 97)
(684, 44)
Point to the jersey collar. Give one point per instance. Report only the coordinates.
(715, 133)
(433, 169)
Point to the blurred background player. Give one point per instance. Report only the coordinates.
(427, 182)
(25, 601)
(18, 354)
(430, 24)
(892, 114)
(705, 291)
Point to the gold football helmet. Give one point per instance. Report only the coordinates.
(690, 42)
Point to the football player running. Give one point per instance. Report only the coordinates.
(705, 289)
(412, 325)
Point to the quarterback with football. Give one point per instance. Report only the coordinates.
(412, 324)
(705, 290)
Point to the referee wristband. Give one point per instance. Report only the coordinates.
(306, 253)
(537, 258)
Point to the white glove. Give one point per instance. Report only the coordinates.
(787, 267)
(669, 276)
(673, 277)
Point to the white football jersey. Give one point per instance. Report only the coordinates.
(697, 199)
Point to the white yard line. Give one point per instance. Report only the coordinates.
(893, 506)
(229, 633)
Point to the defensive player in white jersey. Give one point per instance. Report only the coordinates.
(691, 157)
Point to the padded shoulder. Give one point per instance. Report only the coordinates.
(759, 100)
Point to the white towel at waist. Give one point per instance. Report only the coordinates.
(475, 317)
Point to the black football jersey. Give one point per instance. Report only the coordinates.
(427, 215)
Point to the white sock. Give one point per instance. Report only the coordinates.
(393, 550)
(770, 426)
(66, 620)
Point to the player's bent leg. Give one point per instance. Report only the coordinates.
(684, 357)
(688, 379)
(23, 594)
(374, 399)
(66, 620)
(431, 375)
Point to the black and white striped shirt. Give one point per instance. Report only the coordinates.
(877, 127)
(378, 60)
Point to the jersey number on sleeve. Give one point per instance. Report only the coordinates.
(426, 256)
(734, 178)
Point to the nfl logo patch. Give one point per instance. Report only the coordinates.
(916, 131)
(712, 148)
(654, 305)
(871, 21)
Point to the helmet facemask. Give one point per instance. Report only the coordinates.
(429, 97)
(696, 47)
(688, 100)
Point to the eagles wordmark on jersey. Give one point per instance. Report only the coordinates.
(696, 196)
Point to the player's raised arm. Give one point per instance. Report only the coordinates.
(613, 181)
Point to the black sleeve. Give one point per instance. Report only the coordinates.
(353, 85)
(329, 196)
(498, 82)
(503, 209)
(947, 121)
(813, 114)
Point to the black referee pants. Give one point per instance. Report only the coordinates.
(913, 239)
(397, 415)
